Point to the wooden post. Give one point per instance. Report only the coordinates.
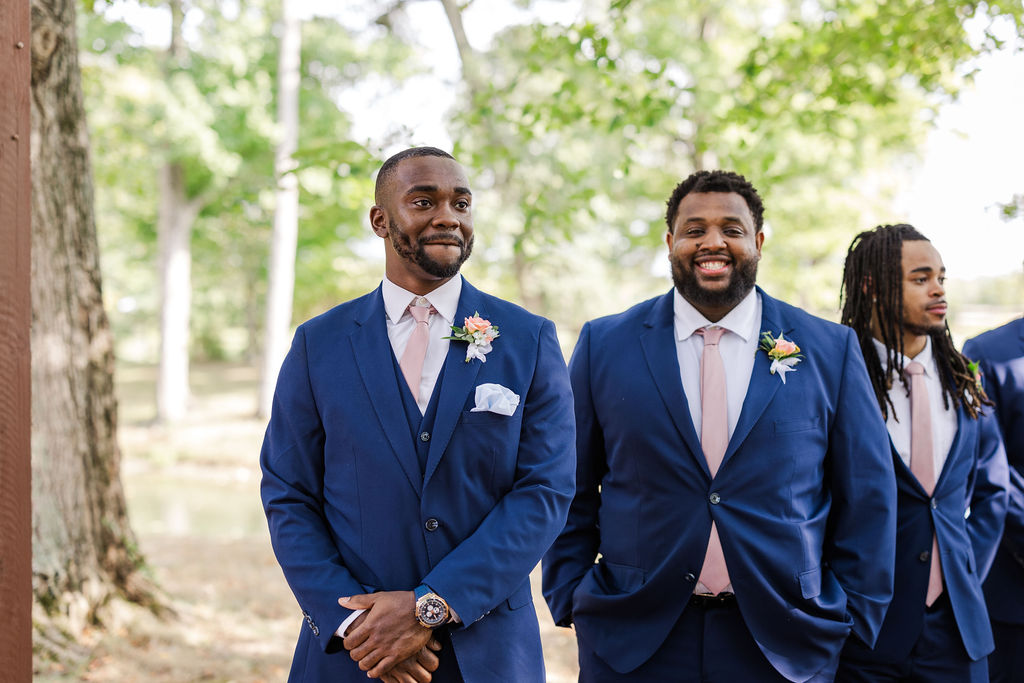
(15, 368)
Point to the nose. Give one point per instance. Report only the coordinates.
(446, 217)
(713, 239)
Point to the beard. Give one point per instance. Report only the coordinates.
(741, 281)
(418, 254)
(934, 329)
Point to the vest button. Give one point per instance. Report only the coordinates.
(924, 556)
(690, 577)
(424, 436)
(715, 498)
(432, 524)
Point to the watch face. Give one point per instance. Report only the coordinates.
(432, 611)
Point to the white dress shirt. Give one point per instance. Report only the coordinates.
(737, 346)
(944, 421)
(445, 300)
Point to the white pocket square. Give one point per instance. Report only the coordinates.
(495, 398)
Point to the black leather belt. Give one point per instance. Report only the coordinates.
(713, 601)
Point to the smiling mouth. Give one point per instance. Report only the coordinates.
(713, 266)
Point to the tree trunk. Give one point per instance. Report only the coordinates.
(283, 241)
(84, 549)
(174, 242)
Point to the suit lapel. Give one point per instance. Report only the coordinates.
(458, 378)
(659, 346)
(763, 384)
(372, 352)
(954, 448)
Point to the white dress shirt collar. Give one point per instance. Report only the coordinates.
(444, 299)
(740, 320)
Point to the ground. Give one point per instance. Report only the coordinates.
(193, 500)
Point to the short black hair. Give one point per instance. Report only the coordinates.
(388, 169)
(716, 181)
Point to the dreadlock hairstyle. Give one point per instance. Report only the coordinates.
(872, 291)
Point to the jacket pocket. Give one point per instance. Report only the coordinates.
(624, 578)
(796, 425)
(521, 596)
(810, 583)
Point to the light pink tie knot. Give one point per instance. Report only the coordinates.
(712, 335)
(914, 368)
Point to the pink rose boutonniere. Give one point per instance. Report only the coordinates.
(784, 354)
(479, 333)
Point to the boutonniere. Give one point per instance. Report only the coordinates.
(783, 352)
(974, 367)
(479, 333)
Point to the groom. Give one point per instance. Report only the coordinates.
(413, 474)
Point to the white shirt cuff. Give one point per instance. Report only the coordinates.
(348, 622)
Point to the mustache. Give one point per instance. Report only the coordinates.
(445, 239)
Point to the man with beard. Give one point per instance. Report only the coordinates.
(733, 474)
(949, 464)
(419, 458)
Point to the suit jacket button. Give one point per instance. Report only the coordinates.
(432, 524)
(715, 498)
(934, 504)
(690, 578)
(424, 436)
(924, 556)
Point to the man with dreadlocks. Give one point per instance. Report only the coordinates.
(949, 463)
(1000, 353)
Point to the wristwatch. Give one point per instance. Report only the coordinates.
(431, 609)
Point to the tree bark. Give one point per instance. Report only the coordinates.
(84, 549)
(175, 218)
(283, 241)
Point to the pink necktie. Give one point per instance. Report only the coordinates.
(416, 349)
(922, 461)
(714, 439)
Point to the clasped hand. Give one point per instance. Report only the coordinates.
(386, 641)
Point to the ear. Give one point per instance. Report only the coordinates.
(669, 239)
(759, 239)
(379, 221)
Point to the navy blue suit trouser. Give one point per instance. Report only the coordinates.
(708, 644)
(938, 656)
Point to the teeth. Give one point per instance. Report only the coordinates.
(713, 265)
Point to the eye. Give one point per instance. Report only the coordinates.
(421, 202)
(462, 205)
(942, 280)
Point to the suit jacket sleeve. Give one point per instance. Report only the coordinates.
(292, 490)
(861, 549)
(575, 549)
(1013, 532)
(491, 563)
(989, 496)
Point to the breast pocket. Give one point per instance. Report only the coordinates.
(793, 425)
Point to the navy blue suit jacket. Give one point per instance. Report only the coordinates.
(975, 477)
(348, 505)
(806, 495)
(1001, 355)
